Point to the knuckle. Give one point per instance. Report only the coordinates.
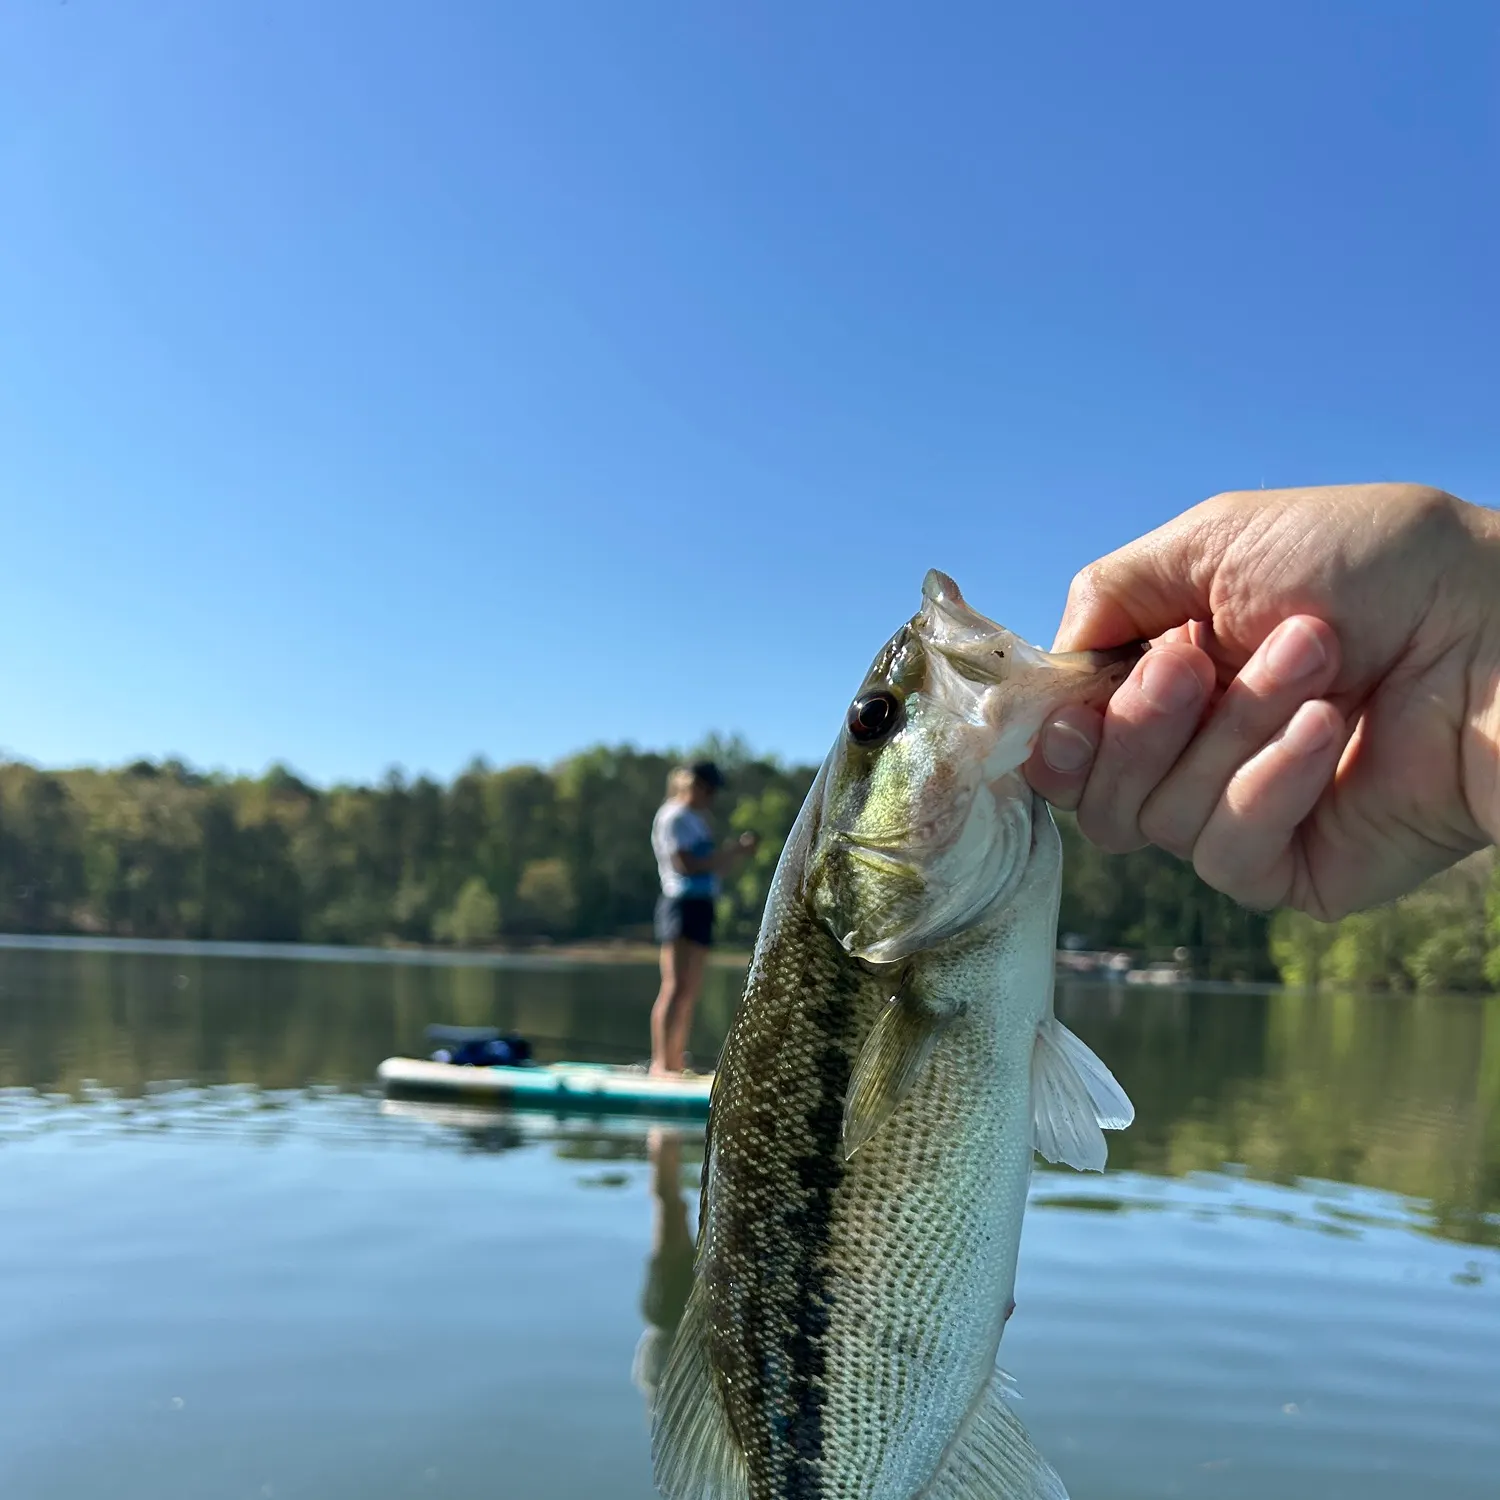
(1175, 842)
(1059, 793)
(1106, 833)
(1219, 862)
(1243, 723)
(1088, 584)
(1426, 504)
(1167, 827)
(1252, 709)
(1215, 868)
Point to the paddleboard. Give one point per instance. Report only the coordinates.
(563, 1086)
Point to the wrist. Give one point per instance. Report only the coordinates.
(1481, 749)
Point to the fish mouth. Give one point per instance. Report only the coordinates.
(1103, 671)
(983, 651)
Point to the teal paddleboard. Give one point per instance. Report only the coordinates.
(558, 1086)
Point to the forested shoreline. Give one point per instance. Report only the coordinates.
(526, 854)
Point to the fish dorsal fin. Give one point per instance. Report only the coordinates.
(992, 1455)
(1074, 1100)
(692, 1449)
(890, 1062)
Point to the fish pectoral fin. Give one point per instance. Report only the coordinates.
(1074, 1100)
(1112, 1106)
(889, 1063)
(992, 1455)
(693, 1451)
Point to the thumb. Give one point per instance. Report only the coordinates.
(1147, 588)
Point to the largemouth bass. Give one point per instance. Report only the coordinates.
(893, 1065)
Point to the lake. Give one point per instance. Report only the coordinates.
(229, 1271)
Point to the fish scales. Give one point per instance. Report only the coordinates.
(828, 1287)
(775, 1150)
(893, 1063)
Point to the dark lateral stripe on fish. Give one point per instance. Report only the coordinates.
(819, 1174)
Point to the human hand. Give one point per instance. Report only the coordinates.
(748, 843)
(1318, 722)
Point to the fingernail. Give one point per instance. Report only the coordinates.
(1066, 749)
(1308, 731)
(1169, 685)
(1294, 652)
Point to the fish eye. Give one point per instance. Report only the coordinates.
(874, 718)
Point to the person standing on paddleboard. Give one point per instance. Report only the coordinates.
(689, 865)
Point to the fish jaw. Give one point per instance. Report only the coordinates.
(989, 676)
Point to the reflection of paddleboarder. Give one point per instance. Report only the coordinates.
(669, 1271)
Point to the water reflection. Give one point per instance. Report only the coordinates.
(1398, 1093)
(70, 1014)
(669, 1269)
(1395, 1093)
(671, 1153)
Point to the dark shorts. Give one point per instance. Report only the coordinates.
(688, 917)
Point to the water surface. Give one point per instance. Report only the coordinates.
(227, 1269)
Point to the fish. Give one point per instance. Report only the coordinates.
(892, 1067)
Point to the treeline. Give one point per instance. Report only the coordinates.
(526, 854)
(1444, 937)
(519, 854)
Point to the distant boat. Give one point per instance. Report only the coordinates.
(1159, 974)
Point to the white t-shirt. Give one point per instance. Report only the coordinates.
(677, 829)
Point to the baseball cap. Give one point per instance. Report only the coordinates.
(707, 772)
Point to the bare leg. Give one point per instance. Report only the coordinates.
(666, 999)
(682, 966)
(691, 967)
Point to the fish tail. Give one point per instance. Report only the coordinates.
(993, 1456)
(693, 1448)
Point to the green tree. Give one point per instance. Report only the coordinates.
(1492, 934)
(412, 915)
(1435, 939)
(1151, 902)
(1299, 947)
(520, 823)
(771, 815)
(1449, 959)
(549, 905)
(474, 918)
(41, 858)
(606, 800)
(1369, 950)
(247, 886)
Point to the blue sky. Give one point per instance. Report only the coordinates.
(386, 383)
